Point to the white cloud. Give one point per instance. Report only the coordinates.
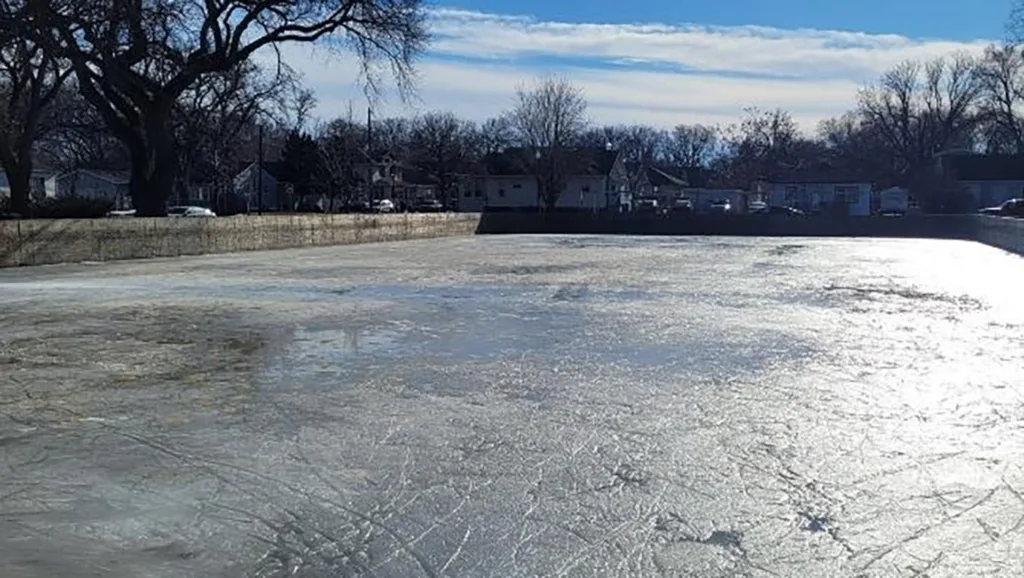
(653, 73)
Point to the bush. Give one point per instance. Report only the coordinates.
(71, 208)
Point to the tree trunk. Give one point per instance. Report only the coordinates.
(154, 167)
(18, 167)
(19, 180)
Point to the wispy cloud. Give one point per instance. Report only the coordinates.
(655, 73)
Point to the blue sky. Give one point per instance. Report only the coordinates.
(665, 62)
(954, 19)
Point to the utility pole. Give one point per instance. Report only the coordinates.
(259, 174)
(369, 131)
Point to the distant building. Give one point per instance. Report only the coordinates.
(823, 191)
(988, 179)
(385, 177)
(598, 180)
(112, 186)
(661, 184)
(253, 179)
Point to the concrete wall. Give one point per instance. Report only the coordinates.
(38, 242)
(1005, 233)
(945, 227)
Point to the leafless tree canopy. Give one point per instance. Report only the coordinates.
(1001, 111)
(134, 58)
(922, 109)
(30, 80)
(692, 145)
(550, 116)
(442, 143)
(496, 135)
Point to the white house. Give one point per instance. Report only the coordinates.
(988, 179)
(92, 184)
(825, 191)
(599, 181)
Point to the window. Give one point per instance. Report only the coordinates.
(501, 192)
(792, 192)
(585, 189)
(848, 194)
(468, 194)
(477, 193)
(515, 186)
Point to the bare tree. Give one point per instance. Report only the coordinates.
(850, 143)
(920, 110)
(81, 139)
(391, 136)
(496, 135)
(642, 144)
(549, 117)
(134, 59)
(211, 115)
(1001, 74)
(342, 144)
(692, 145)
(30, 80)
(763, 146)
(442, 145)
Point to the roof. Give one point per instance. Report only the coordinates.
(414, 176)
(115, 177)
(824, 175)
(972, 167)
(273, 168)
(588, 160)
(661, 178)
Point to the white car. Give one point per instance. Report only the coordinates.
(190, 212)
(384, 206)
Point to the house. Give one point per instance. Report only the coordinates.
(988, 179)
(37, 183)
(659, 183)
(823, 191)
(597, 181)
(112, 186)
(261, 187)
(385, 177)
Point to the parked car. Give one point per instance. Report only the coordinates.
(647, 206)
(893, 202)
(778, 210)
(383, 206)
(121, 214)
(720, 207)
(682, 206)
(428, 206)
(757, 207)
(178, 212)
(1010, 208)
